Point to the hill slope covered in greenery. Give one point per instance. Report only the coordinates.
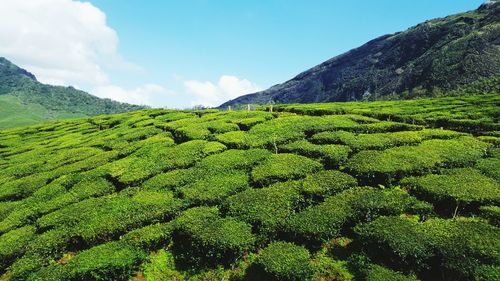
(435, 58)
(25, 101)
(341, 191)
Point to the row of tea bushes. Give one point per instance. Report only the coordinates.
(320, 223)
(391, 164)
(472, 114)
(461, 249)
(249, 195)
(380, 141)
(460, 189)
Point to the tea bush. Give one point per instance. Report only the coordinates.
(455, 247)
(387, 165)
(202, 238)
(285, 261)
(380, 273)
(265, 209)
(283, 167)
(326, 183)
(330, 155)
(490, 167)
(102, 218)
(396, 241)
(463, 188)
(109, 261)
(14, 243)
(492, 213)
(325, 221)
(213, 190)
(369, 141)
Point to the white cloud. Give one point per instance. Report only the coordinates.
(228, 87)
(60, 41)
(66, 42)
(144, 95)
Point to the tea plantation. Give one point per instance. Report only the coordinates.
(398, 190)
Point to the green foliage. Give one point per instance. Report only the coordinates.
(285, 129)
(285, 261)
(326, 183)
(110, 261)
(492, 213)
(14, 243)
(458, 248)
(265, 209)
(326, 268)
(325, 221)
(213, 190)
(202, 238)
(156, 158)
(463, 245)
(330, 155)
(231, 160)
(393, 163)
(380, 273)
(380, 141)
(161, 266)
(94, 198)
(466, 114)
(396, 241)
(101, 218)
(463, 187)
(487, 273)
(283, 167)
(490, 167)
(150, 237)
(169, 180)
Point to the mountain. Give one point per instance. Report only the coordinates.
(434, 58)
(25, 101)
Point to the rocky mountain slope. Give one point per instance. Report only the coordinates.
(434, 58)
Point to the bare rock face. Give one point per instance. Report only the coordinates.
(439, 55)
(488, 4)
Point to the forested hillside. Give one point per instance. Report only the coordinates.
(25, 101)
(344, 191)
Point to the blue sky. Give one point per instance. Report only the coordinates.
(181, 53)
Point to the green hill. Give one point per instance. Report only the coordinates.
(25, 101)
(399, 190)
(435, 58)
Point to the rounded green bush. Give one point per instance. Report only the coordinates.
(322, 222)
(285, 261)
(331, 155)
(266, 209)
(464, 187)
(490, 167)
(326, 183)
(393, 163)
(202, 238)
(380, 273)
(14, 243)
(492, 213)
(213, 190)
(397, 241)
(109, 261)
(283, 167)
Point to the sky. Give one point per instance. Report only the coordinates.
(182, 53)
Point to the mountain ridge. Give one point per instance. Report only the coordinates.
(433, 57)
(24, 100)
